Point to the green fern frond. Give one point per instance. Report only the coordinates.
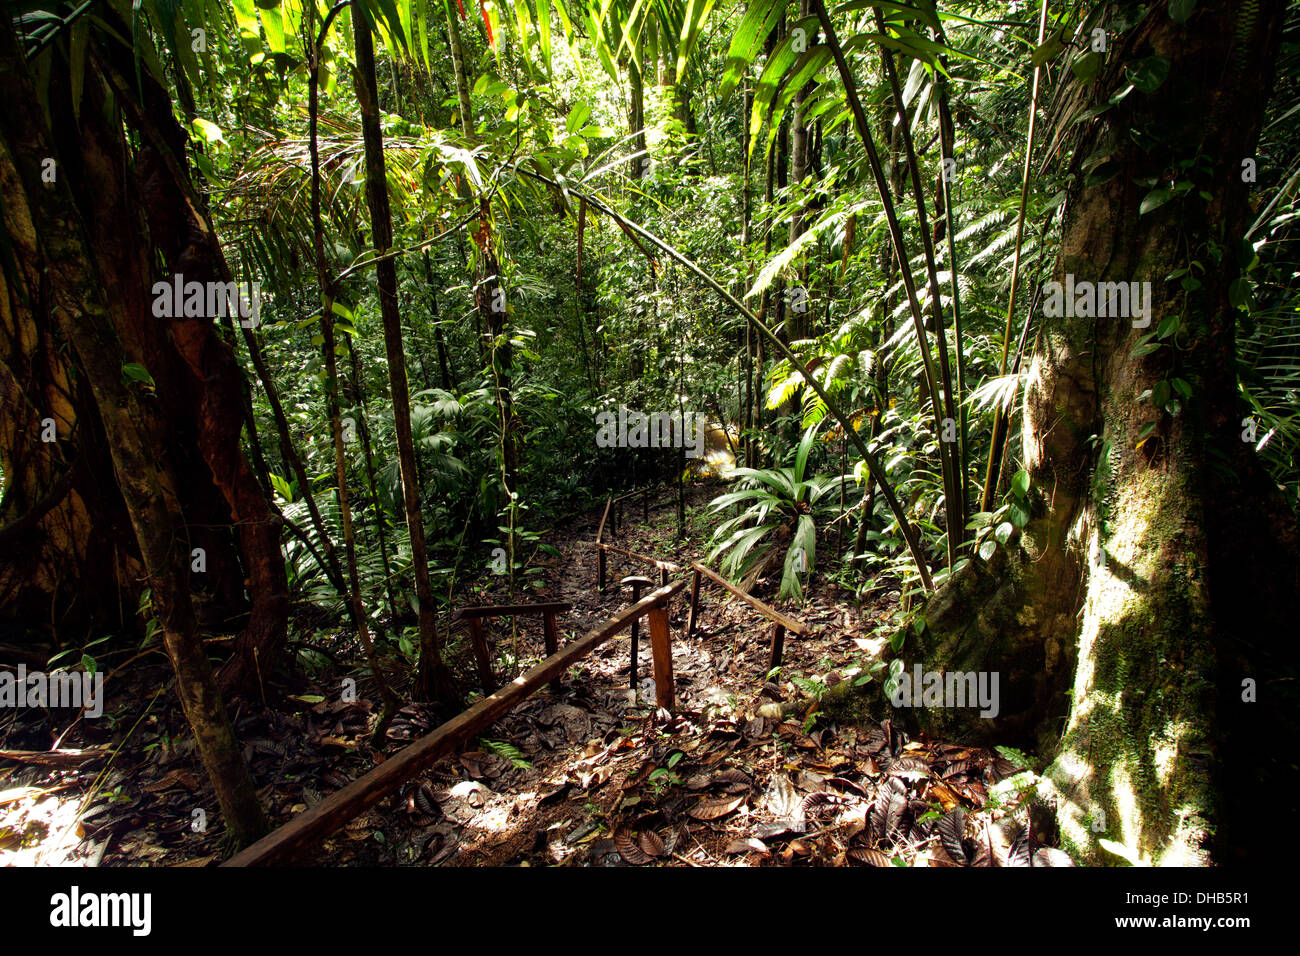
(506, 751)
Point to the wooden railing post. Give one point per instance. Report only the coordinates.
(780, 622)
(552, 636)
(550, 633)
(309, 828)
(482, 655)
(663, 577)
(778, 646)
(636, 582)
(661, 647)
(695, 605)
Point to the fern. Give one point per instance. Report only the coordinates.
(812, 688)
(506, 751)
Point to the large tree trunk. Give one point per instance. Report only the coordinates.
(91, 291)
(1159, 570)
(434, 681)
(133, 212)
(640, 162)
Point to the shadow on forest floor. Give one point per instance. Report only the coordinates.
(591, 775)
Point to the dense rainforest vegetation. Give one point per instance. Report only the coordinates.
(963, 337)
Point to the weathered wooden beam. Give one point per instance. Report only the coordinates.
(771, 613)
(600, 532)
(482, 654)
(55, 758)
(636, 583)
(632, 494)
(695, 603)
(512, 610)
(662, 649)
(778, 646)
(550, 633)
(310, 827)
(645, 559)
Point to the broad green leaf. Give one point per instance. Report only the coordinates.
(923, 11)
(1239, 293)
(801, 458)
(809, 64)
(754, 27)
(273, 24)
(1020, 483)
(209, 130)
(804, 542)
(544, 31)
(769, 84)
(137, 372)
(697, 12)
(1180, 10)
(1154, 200)
(1120, 850)
(1148, 74)
(577, 117)
(1086, 65)
(1048, 49)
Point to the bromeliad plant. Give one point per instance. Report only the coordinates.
(779, 523)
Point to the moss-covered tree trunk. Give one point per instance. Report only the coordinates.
(1158, 571)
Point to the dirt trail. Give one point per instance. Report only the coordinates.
(561, 778)
(591, 774)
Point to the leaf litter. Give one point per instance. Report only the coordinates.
(594, 775)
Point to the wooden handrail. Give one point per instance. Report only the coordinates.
(644, 558)
(511, 610)
(665, 567)
(475, 616)
(609, 502)
(312, 826)
(769, 612)
(780, 622)
(618, 506)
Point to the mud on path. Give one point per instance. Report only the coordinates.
(591, 774)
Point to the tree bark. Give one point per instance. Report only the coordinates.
(132, 213)
(639, 165)
(77, 295)
(1151, 581)
(433, 679)
(460, 74)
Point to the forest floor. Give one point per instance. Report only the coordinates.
(591, 774)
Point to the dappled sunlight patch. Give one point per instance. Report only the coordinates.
(40, 826)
